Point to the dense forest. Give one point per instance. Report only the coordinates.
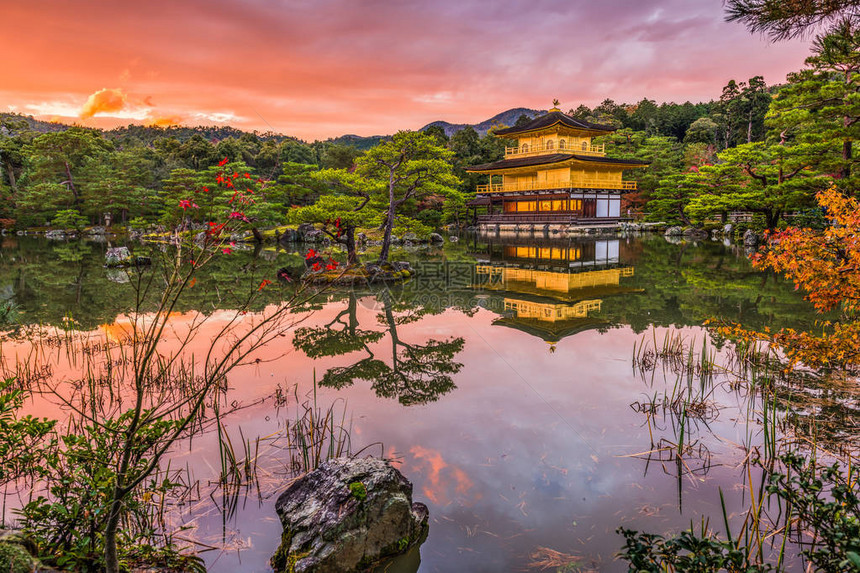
(755, 148)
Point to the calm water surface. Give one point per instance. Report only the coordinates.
(500, 380)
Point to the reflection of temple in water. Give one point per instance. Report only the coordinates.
(550, 289)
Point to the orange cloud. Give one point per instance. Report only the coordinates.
(164, 121)
(103, 101)
(442, 478)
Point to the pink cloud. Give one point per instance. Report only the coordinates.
(324, 68)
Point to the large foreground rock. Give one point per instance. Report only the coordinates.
(346, 516)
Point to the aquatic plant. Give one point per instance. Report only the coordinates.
(138, 392)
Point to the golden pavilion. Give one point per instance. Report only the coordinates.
(554, 175)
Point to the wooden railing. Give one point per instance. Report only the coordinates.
(544, 185)
(572, 218)
(529, 150)
(566, 218)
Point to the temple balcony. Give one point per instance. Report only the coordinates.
(584, 183)
(551, 147)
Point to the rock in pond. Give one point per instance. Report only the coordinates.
(436, 238)
(117, 257)
(750, 238)
(122, 257)
(695, 233)
(346, 516)
(289, 236)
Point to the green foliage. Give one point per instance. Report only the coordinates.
(298, 185)
(69, 524)
(824, 500)
(827, 503)
(167, 557)
(470, 149)
(358, 491)
(820, 106)
(666, 119)
(138, 224)
(340, 214)
(69, 219)
(664, 155)
(669, 202)
(431, 218)
(409, 166)
(24, 441)
(337, 156)
(784, 20)
(695, 552)
(703, 130)
(8, 312)
(406, 225)
(183, 183)
(329, 208)
(756, 177)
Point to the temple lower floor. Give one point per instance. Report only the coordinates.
(569, 207)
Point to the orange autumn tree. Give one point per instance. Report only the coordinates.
(826, 265)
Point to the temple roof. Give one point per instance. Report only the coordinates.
(549, 159)
(552, 332)
(550, 119)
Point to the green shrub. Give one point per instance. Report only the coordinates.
(69, 219)
(430, 217)
(138, 224)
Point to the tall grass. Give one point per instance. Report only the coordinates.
(781, 411)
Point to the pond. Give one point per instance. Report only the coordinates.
(500, 380)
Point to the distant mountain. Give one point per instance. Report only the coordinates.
(508, 118)
(147, 134)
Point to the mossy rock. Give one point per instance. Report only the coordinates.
(14, 558)
(347, 516)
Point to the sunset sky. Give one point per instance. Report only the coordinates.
(321, 68)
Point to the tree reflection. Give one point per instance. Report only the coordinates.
(416, 374)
